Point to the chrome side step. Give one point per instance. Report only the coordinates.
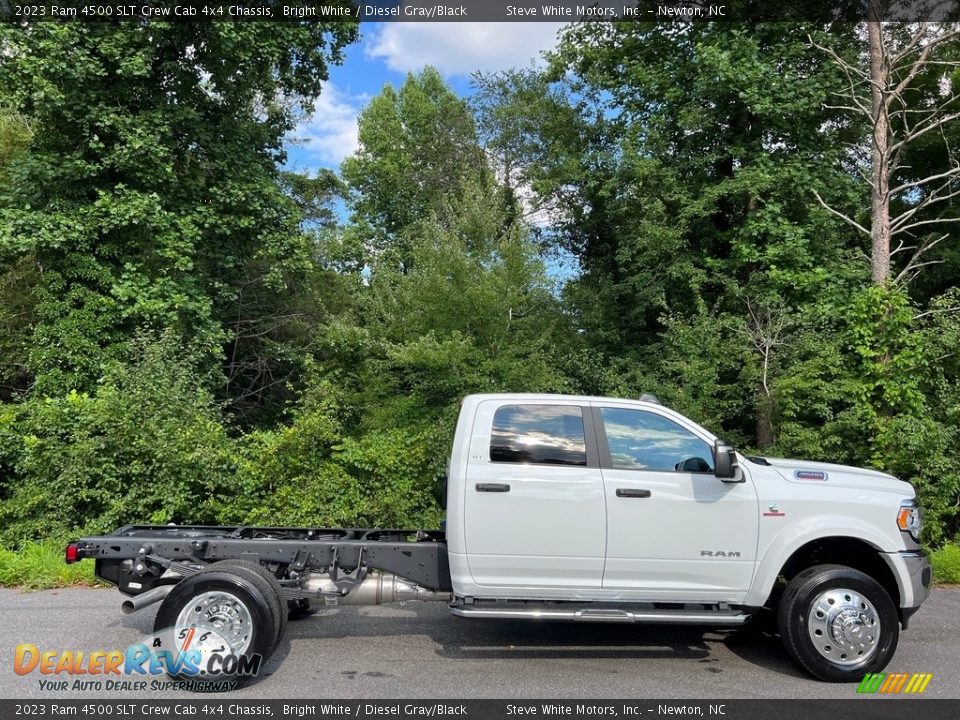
(716, 618)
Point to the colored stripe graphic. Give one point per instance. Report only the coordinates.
(898, 684)
(922, 685)
(893, 683)
(889, 682)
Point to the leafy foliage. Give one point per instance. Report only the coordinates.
(190, 334)
(418, 157)
(946, 564)
(710, 273)
(149, 444)
(150, 192)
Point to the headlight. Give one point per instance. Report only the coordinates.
(910, 518)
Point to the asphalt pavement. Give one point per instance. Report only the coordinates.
(418, 650)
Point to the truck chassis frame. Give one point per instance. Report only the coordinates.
(136, 558)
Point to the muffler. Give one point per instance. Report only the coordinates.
(375, 589)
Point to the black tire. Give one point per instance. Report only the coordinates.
(270, 586)
(834, 657)
(234, 583)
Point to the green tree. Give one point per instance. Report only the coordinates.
(900, 89)
(148, 447)
(418, 156)
(473, 312)
(452, 296)
(710, 273)
(14, 137)
(150, 195)
(18, 280)
(686, 202)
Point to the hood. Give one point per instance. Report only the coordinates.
(814, 473)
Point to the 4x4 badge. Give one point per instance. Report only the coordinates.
(774, 511)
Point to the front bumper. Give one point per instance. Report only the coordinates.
(914, 576)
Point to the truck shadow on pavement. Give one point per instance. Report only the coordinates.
(495, 640)
(465, 639)
(518, 639)
(457, 638)
(757, 644)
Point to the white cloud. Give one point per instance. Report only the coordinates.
(461, 48)
(329, 133)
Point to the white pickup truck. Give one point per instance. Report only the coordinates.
(566, 508)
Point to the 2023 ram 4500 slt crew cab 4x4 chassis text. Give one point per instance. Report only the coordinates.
(570, 508)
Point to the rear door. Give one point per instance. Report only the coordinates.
(676, 532)
(535, 514)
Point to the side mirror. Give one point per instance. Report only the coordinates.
(725, 462)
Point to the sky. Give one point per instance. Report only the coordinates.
(385, 54)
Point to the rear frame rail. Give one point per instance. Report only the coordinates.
(135, 556)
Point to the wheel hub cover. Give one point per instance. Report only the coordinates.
(215, 622)
(844, 626)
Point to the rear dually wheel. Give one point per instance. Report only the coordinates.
(220, 624)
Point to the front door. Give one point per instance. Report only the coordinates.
(675, 531)
(534, 506)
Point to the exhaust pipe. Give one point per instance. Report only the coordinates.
(138, 602)
(378, 589)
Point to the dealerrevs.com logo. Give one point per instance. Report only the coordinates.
(199, 660)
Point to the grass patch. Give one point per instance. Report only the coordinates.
(40, 565)
(946, 564)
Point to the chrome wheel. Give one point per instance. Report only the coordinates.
(215, 622)
(844, 626)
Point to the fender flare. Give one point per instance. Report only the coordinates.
(794, 537)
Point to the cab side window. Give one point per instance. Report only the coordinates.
(545, 434)
(641, 440)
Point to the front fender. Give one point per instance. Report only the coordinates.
(795, 536)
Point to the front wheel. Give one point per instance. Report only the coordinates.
(838, 623)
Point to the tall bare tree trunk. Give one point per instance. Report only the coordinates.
(906, 102)
(765, 433)
(879, 200)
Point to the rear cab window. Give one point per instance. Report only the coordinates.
(540, 434)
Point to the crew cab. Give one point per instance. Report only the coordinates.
(570, 508)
